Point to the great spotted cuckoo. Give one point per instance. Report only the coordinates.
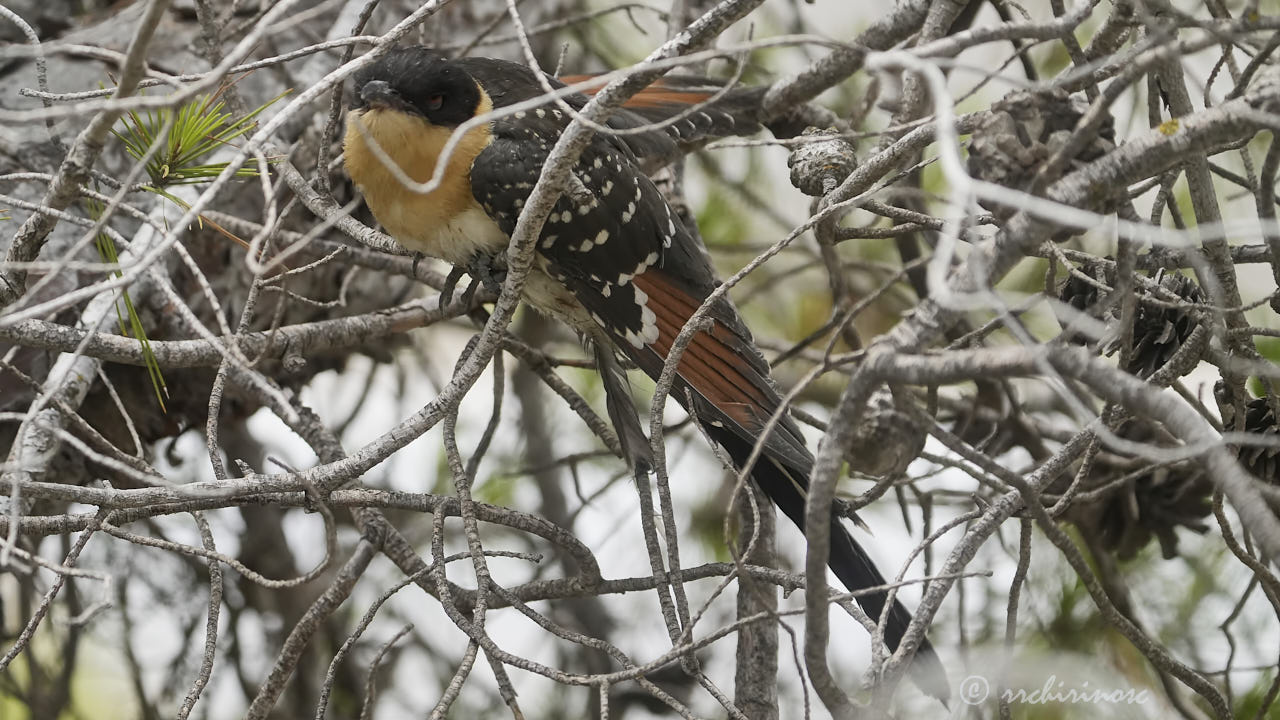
(614, 262)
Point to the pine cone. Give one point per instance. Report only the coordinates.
(1159, 328)
(1152, 504)
(1083, 295)
(1155, 504)
(819, 166)
(886, 439)
(1261, 460)
(1023, 130)
(1159, 331)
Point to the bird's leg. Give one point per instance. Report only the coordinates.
(491, 270)
(486, 270)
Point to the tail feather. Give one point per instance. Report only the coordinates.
(847, 560)
(708, 109)
(622, 410)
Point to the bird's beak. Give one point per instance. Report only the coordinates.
(378, 93)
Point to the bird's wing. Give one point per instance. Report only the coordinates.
(619, 247)
(699, 109)
(509, 83)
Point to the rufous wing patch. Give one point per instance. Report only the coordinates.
(710, 365)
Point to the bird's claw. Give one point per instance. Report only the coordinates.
(450, 284)
(469, 295)
(485, 271)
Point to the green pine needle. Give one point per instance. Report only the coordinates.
(199, 128)
(129, 321)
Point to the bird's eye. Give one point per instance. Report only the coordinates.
(435, 102)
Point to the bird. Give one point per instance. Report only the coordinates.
(614, 262)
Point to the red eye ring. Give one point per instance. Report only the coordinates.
(435, 102)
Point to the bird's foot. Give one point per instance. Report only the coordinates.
(487, 271)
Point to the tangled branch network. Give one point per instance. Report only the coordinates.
(1013, 266)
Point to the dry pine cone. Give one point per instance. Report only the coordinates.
(1159, 327)
(1154, 503)
(1023, 130)
(1261, 460)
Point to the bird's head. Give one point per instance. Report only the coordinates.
(420, 82)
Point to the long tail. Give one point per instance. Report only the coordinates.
(847, 560)
(725, 378)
